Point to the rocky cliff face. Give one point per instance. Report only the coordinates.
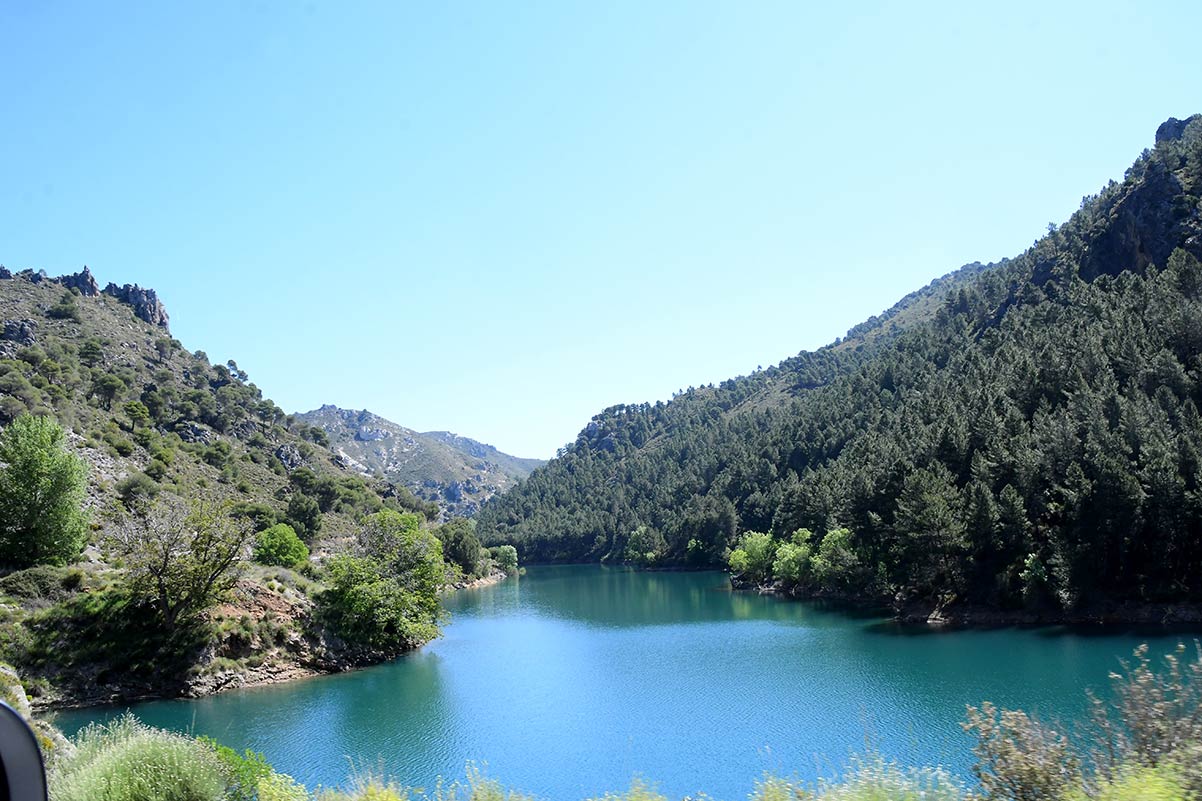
(145, 302)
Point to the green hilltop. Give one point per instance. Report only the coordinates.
(1021, 437)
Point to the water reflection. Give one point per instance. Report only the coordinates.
(570, 680)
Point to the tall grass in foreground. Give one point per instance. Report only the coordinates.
(126, 760)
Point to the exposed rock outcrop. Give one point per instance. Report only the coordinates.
(289, 456)
(1173, 128)
(145, 302)
(83, 281)
(20, 331)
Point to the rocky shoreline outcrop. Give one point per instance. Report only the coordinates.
(297, 650)
(950, 613)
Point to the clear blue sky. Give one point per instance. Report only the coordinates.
(500, 218)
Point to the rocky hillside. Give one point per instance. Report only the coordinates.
(152, 420)
(457, 473)
(147, 414)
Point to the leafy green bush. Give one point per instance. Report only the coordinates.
(242, 771)
(752, 560)
(868, 778)
(1163, 783)
(41, 583)
(280, 787)
(1018, 757)
(280, 546)
(872, 778)
(645, 546)
(506, 557)
(835, 563)
(460, 545)
(639, 791)
(1154, 715)
(128, 761)
(792, 563)
(137, 488)
(65, 309)
(387, 595)
(304, 515)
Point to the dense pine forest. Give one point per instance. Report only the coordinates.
(1021, 435)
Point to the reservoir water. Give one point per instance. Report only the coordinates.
(567, 682)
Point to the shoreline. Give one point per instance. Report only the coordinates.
(266, 674)
(933, 616)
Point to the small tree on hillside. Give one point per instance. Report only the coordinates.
(279, 545)
(752, 560)
(41, 495)
(460, 545)
(181, 558)
(386, 594)
(304, 515)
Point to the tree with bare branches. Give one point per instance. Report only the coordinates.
(181, 557)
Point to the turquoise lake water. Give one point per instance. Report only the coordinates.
(569, 681)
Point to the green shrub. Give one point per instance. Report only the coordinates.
(120, 444)
(127, 761)
(41, 495)
(1163, 783)
(387, 596)
(835, 562)
(280, 546)
(243, 772)
(304, 515)
(752, 560)
(792, 563)
(367, 788)
(506, 557)
(460, 545)
(156, 470)
(1154, 715)
(644, 546)
(281, 787)
(65, 309)
(639, 791)
(869, 778)
(41, 583)
(137, 488)
(1018, 757)
(872, 778)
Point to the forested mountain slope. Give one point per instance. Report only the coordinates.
(455, 472)
(1025, 433)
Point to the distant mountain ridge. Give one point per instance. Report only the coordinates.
(457, 472)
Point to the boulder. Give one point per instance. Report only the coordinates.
(289, 456)
(191, 431)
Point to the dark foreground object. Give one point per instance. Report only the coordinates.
(22, 774)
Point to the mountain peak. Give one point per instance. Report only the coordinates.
(1173, 129)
